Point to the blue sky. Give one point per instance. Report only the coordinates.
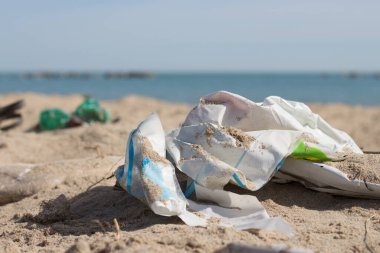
(239, 35)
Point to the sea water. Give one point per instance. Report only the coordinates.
(188, 88)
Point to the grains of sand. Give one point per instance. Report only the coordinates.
(147, 151)
(200, 150)
(242, 139)
(309, 138)
(207, 102)
(209, 134)
(363, 167)
(153, 191)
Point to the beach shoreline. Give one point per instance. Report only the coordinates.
(65, 213)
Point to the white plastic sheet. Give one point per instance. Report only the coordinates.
(325, 178)
(228, 109)
(225, 139)
(147, 175)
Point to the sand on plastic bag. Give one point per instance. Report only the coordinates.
(362, 167)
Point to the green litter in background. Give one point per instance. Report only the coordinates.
(90, 111)
(55, 118)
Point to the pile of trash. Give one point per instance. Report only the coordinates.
(229, 139)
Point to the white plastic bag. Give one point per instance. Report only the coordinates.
(225, 139)
(147, 175)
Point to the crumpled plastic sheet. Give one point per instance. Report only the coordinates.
(225, 139)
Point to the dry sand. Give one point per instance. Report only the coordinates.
(65, 215)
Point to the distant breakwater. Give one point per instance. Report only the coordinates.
(51, 75)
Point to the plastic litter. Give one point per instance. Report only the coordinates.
(55, 118)
(88, 111)
(225, 139)
(147, 174)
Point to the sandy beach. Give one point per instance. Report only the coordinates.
(65, 214)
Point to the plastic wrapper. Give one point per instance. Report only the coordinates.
(226, 139)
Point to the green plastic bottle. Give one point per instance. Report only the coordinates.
(55, 118)
(91, 111)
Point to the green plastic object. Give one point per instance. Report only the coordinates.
(91, 111)
(303, 151)
(55, 118)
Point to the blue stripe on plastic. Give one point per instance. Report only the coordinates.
(238, 181)
(131, 154)
(241, 159)
(190, 190)
(280, 164)
(155, 175)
